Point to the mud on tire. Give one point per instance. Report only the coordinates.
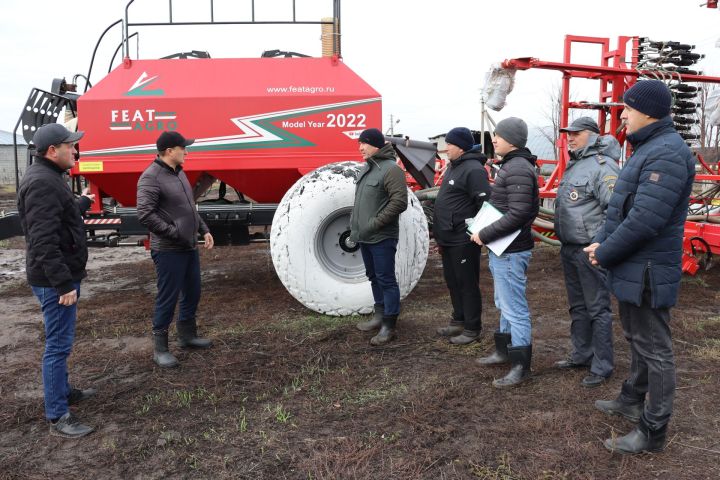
(311, 252)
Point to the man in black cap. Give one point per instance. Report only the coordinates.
(641, 247)
(51, 219)
(166, 206)
(582, 199)
(515, 194)
(464, 188)
(380, 197)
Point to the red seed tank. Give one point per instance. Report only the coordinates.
(259, 124)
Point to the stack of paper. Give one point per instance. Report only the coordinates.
(486, 216)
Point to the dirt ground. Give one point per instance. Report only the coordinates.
(288, 393)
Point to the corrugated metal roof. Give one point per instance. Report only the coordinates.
(6, 138)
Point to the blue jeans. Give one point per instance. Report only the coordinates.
(379, 259)
(178, 275)
(509, 272)
(59, 337)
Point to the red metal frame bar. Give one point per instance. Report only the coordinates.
(616, 75)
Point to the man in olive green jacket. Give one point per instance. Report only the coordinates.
(380, 198)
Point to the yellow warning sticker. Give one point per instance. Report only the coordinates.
(90, 166)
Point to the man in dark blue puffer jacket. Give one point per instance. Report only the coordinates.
(641, 247)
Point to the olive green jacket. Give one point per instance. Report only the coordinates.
(380, 198)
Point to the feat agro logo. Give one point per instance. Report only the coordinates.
(147, 119)
(144, 120)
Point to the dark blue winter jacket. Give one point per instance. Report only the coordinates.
(646, 217)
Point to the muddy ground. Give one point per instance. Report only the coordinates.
(288, 393)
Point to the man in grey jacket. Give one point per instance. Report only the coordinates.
(166, 206)
(582, 199)
(380, 198)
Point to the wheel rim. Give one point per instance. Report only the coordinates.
(336, 253)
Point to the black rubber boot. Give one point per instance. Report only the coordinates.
(631, 411)
(375, 322)
(162, 355)
(387, 331)
(520, 358)
(640, 440)
(500, 355)
(187, 336)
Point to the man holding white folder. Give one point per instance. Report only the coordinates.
(515, 194)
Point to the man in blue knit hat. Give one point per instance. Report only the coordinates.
(464, 188)
(641, 248)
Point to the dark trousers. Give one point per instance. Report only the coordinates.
(652, 367)
(178, 275)
(590, 311)
(379, 260)
(461, 269)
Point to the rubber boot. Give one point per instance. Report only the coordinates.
(387, 331)
(641, 439)
(162, 355)
(631, 411)
(187, 336)
(500, 355)
(375, 322)
(520, 358)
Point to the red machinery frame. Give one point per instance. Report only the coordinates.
(616, 74)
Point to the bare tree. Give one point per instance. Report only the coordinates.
(709, 141)
(552, 113)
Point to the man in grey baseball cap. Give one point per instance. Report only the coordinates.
(53, 134)
(51, 219)
(582, 199)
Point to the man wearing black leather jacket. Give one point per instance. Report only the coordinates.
(166, 206)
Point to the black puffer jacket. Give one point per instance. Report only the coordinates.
(464, 188)
(515, 193)
(165, 205)
(51, 219)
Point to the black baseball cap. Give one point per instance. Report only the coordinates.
(54, 134)
(172, 139)
(582, 123)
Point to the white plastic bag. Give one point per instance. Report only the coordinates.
(499, 82)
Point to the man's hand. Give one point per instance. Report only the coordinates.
(209, 242)
(475, 237)
(68, 299)
(590, 250)
(86, 193)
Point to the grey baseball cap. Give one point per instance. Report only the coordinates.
(582, 123)
(54, 134)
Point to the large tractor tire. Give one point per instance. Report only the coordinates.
(313, 255)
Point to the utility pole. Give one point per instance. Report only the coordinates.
(393, 122)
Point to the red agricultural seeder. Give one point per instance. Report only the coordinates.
(617, 70)
(280, 130)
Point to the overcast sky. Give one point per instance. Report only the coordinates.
(427, 59)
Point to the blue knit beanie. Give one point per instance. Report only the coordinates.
(372, 136)
(651, 97)
(460, 137)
